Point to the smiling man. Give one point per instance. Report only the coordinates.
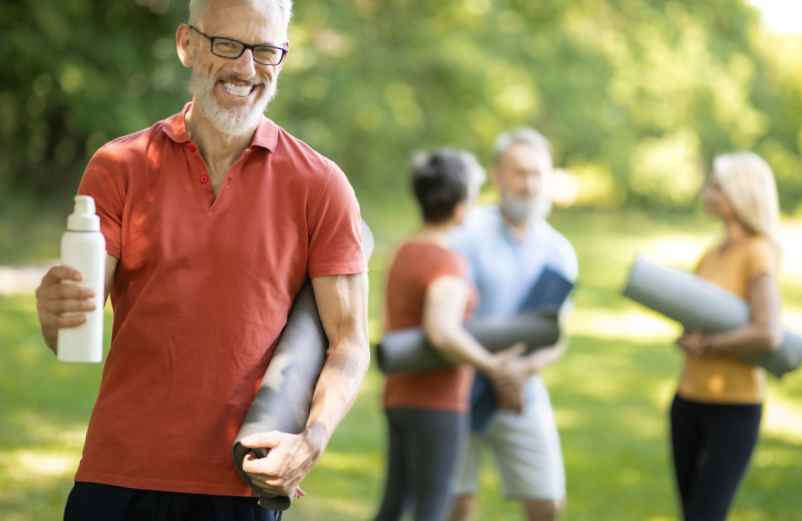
(213, 220)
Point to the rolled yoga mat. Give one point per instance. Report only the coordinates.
(701, 306)
(409, 350)
(283, 400)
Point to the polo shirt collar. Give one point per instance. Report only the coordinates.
(266, 135)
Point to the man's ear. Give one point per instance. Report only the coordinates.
(183, 45)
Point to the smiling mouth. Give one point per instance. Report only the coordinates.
(238, 90)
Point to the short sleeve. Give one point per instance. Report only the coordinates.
(466, 238)
(761, 259)
(564, 257)
(335, 244)
(446, 264)
(103, 180)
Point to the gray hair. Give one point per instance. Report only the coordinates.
(198, 7)
(521, 136)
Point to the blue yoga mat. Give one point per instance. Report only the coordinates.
(546, 297)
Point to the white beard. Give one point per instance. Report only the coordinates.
(232, 122)
(520, 210)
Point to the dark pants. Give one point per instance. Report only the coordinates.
(96, 502)
(712, 445)
(422, 450)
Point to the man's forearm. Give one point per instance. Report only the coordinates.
(337, 387)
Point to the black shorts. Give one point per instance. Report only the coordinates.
(97, 502)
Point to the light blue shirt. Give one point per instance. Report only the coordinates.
(504, 268)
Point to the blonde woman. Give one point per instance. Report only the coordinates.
(715, 415)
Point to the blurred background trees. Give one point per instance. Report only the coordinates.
(636, 95)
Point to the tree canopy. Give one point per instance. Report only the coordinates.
(637, 96)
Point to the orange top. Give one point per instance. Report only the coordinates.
(202, 290)
(415, 266)
(723, 378)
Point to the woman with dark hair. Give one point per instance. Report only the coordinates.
(427, 287)
(715, 415)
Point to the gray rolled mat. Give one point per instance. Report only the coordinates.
(283, 400)
(701, 306)
(409, 350)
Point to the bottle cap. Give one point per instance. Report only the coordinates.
(83, 217)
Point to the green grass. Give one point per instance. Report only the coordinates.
(610, 393)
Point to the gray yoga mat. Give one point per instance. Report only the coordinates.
(283, 400)
(409, 350)
(701, 306)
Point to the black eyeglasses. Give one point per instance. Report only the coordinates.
(232, 49)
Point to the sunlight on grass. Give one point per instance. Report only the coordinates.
(568, 419)
(347, 462)
(783, 419)
(680, 250)
(25, 464)
(39, 428)
(791, 237)
(792, 317)
(633, 325)
(663, 393)
(349, 507)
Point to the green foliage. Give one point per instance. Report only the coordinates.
(639, 93)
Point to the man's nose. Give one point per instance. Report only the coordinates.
(531, 185)
(244, 65)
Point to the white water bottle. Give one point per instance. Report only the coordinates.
(84, 249)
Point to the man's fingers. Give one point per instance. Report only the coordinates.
(262, 440)
(63, 321)
(254, 466)
(64, 306)
(60, 273)
(64, 291)
(271, 467)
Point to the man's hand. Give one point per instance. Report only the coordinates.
(509, 377)
(289, 459)
(61, 302)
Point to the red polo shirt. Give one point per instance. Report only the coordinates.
(201, 292)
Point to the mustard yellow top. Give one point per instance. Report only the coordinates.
(724, 378)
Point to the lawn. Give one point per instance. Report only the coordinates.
(610, 391)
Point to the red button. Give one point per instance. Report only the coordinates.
(191, 147)
(204, 179)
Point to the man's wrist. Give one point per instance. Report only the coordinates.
(490, 367)
(317, 437)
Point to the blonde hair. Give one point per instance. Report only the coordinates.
(748, 183)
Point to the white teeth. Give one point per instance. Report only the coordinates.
(237, 90)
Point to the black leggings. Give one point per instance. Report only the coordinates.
(712, 445)
(422, 450)
(93, 501)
